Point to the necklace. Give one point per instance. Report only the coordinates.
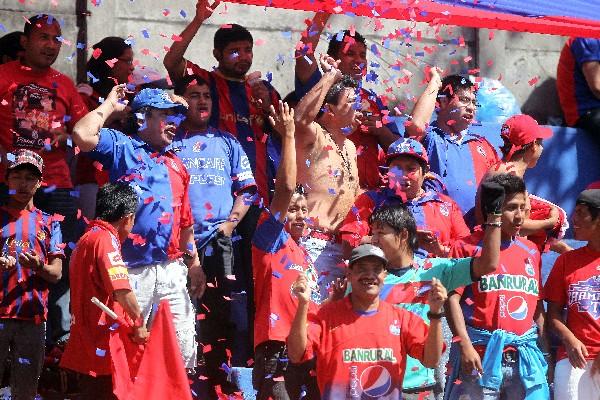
(345, 159)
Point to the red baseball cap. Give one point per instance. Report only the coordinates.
(521, 130)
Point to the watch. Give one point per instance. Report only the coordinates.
(432, 315)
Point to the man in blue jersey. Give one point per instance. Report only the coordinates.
(221, 189)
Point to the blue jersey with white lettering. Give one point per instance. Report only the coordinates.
(219, 170)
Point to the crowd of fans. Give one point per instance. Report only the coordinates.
(308, 239)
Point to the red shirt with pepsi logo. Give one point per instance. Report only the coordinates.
(507, 298)
(277, 260)
(363, 355)
(575, 282)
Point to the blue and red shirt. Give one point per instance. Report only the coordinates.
(461, 164)
(507, 298)
(574, 94)
(219, 170)
(433, 211)
(277, 260)
(368, 153)
(161, 181)
(235, 110)
(23, 294)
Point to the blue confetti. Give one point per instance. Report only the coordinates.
(276, 274)
(100, 352)
(145, 34)
(183, 14)
(49, 189)
(92, 77)
(24, 361)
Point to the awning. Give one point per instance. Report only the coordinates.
(565, 18)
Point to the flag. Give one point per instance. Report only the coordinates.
(155, 373)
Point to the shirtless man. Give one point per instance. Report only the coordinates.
(326, 162)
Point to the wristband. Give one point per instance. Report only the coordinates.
(432, 315)
(497, 224)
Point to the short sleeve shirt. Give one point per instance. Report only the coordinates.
(161, 181)
(574, 282)
(219, 169)
(96, 270)
(23, 294)
(364, 355)
(574, 94)
(277, 260)
(33, 108)
(235, 110)
(460, 164)
(507, 298)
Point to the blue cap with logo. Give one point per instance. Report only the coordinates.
(407, 147)
(155, 98)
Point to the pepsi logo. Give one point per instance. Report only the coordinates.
(375, 381)
(517, 308)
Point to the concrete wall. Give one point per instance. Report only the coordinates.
(518, 57)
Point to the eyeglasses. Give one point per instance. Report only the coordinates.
(464, 101)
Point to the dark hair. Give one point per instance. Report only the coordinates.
(10, 45)
(334, 92)
(455, 83)
(112, 47)
(300, 190)
(231, 33)
(291, 99)
(182, 84)
(132, 126)
(594, 211)
(31, 22)
(512, 184)
(399, 218)
(336, 43)
(115, 201)
(507, 146)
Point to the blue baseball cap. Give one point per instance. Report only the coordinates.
(155, 98)
(407, 147)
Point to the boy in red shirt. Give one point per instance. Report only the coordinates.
(277, 261)
(97, 270)
(499, 319)
(31, 258)
(361, 343)
(574, 283)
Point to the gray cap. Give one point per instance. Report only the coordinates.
(367, 250)
(591, 197)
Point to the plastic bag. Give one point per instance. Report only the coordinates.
(496, 102)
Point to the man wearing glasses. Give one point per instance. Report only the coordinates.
(460, 157)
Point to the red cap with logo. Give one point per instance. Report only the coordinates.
(521, 130)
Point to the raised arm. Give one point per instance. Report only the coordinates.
(306, 63)
(174, 61)
(285, 180)
(85, 133)
(308, 108)
(298, 337)
(492, 199)
(424, 107)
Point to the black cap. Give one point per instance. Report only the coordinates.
(367, 250)
(590, 197)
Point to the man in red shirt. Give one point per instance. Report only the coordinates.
(499, 319)
(38, 109)
(361, 343)
(31, 258)
(574, 283)
(277, 261)
(97, 270)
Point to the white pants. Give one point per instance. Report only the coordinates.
(168, 281)
(574, 383)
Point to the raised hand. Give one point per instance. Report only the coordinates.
(437, 296)
(118, 97)
(301, 289)
(282, 121)
(435, 78)
(329, 64)
(204, 10)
